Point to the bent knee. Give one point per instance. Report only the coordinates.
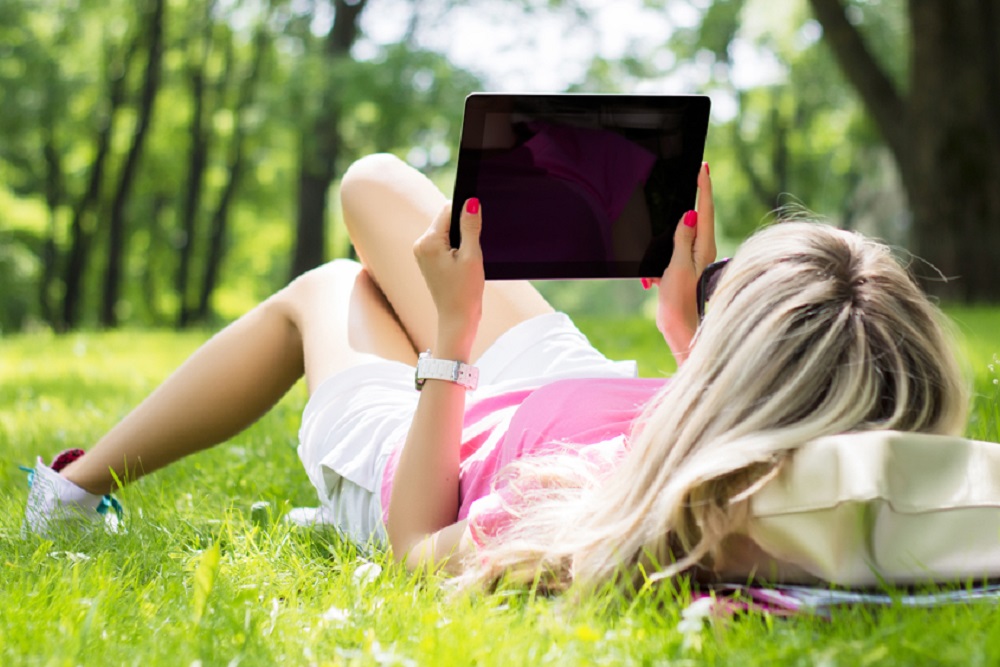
(311, 288)
(369, 171)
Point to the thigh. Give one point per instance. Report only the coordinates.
(343, 320)
(387, 205)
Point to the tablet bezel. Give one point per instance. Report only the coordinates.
(695, 109)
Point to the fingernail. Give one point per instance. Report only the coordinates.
(707, 170)
(645, 283)
(472, 206)
(691, 218)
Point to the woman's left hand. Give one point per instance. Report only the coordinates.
(454, 276)
(694, 249)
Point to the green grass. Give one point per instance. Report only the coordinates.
(194, 579)
(978, 330)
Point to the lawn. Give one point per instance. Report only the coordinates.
(195, 580)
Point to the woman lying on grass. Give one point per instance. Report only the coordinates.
(562, 468)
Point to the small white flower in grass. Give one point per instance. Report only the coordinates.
(351, 654)
(336, 615)
(384, 657)
(695, 614)
(693, 619)
(366, 573)
(72, 556)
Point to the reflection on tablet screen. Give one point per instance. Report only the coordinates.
(579, 186)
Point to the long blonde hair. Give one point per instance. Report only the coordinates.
(812, 331)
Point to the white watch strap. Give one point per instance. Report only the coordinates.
(429, 368)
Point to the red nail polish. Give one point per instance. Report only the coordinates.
(646, 283)
(691, 218)
(472, 206)
(707, 171)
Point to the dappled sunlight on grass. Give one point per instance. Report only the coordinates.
(196, 578)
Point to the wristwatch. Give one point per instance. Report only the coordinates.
(429, 368)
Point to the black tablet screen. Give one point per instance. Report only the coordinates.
(579, 186)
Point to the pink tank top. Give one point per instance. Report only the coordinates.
(592, 417)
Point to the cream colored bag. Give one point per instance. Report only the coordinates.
(884, 506)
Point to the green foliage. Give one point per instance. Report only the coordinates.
(632, 337)
(406, 100)
(795, 136)
(719, 26)
(272, 595)
(18, 276)
(787, 130)
(60, 60)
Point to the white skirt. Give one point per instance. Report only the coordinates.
(356, 418)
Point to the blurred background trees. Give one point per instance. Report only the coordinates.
(170, 162)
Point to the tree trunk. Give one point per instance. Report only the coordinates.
(943, 134)
(53, 200)
(197, 160)
(80, 234)
(237, 161)
(116, 226)
(154, 268)
(954, 168)
(319, 147)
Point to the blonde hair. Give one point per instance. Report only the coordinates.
(812, 331)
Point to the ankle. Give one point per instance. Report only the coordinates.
(74, 475)
(70, 467)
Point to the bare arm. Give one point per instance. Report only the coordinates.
(423, 507)
(442, 549)
(694, 249)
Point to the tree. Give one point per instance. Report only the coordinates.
(942, 130)
(128, 129)
(117, 218)
(81, 226)
(236, 165)
(320, 141)
(199, 141)
(788, 132)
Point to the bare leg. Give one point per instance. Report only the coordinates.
(387, 206)
(326, 320)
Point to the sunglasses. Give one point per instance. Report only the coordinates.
(707, 283)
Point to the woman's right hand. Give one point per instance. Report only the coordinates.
(694, 249)
(423, 507)
(454, 277)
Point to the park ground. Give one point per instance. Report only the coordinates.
(196, 580)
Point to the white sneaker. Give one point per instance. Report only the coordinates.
(57, 505)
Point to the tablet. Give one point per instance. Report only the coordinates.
(579, 186)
